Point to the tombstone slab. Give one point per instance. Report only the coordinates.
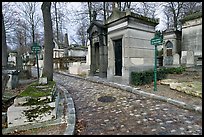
(16, 115)
(176, 59)
(43, 80)
(190, 58)
(183, 57)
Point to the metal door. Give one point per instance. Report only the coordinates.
(118, 57)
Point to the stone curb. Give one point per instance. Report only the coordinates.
(140, 92)
(70, 113)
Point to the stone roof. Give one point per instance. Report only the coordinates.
(98, 23)
(192, 16)
(116, 15)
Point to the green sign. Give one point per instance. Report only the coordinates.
(156, 41)
(35, 47)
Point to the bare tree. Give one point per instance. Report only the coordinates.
(173, 12)
(56, 21)
(191, 7)
(122, 6)
(82, 34)
(29, 13)
(10, 20)
(4, 45)
(48, 44)
(21, 32)
(90, 11)
(58, 18)
(177, 10)
(5, 76)
(10, 16)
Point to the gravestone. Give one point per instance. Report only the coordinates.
(168, 60)
(13, 80)
(75, 68)
(183, 57)
(42, 80)
(19, 62)
(190, 58)
(176, 59)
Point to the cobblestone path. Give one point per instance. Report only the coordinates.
(128, 114)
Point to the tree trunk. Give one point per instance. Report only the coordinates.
(104, 11)
(33, 33)
(90, 11)
(4, 45)
(48, 43)
(57, 27)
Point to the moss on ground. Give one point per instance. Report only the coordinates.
(36, 101)
(32, 114)
(33, 91)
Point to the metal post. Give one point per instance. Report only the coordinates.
(37, 63)
(155, 69)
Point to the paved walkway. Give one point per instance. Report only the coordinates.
(127, 113)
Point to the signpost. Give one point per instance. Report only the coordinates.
(35, 48)
(157, 40)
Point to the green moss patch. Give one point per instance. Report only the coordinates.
(33, 91)
(36, 101)
(32, 114)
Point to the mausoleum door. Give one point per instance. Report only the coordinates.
(118, 57)
(97, 56)
(169, 48)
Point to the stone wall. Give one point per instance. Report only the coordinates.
(192, 38)
(78, 53)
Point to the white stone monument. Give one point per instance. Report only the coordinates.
(176, 59)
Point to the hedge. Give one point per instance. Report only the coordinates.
(146, 77)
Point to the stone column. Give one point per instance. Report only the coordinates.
(93, 59)
(19, 62)
(103, 57)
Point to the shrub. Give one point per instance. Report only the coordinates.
(146, 77)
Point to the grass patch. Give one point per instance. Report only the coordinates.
(33, 91)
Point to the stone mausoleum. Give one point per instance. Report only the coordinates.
(184, 47)
(122, 45)
(98, 45)
(172, 48)
(191, 51)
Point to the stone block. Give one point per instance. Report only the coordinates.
(137, 61)
(190, 58)
(141, 68)
(183, 60)
(13, 79)
(74, 69)
(183, 53)
(176, 59)
(168, 60)
(43, 80)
